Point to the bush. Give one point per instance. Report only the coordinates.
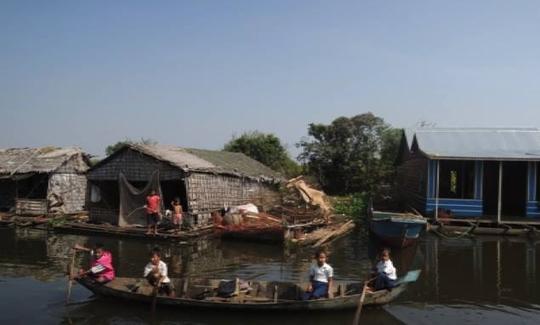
(353, 205)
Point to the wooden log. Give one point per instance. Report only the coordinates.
(340, 230)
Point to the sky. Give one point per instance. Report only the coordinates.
(197, 73)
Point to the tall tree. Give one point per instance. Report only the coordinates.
(110, 149)
(265, 148)
(350, 154)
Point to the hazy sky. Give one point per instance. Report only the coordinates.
(193, 73)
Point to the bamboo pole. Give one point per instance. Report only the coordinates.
(437, 192)
(499, 196)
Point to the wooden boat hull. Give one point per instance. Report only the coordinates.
(254, 234)
(310, 234)
(115, 289)
(395, 230)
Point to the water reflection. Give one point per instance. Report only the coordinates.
(483, 269)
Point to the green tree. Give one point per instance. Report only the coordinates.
(110, 149)
(350, 155)
(265, 148)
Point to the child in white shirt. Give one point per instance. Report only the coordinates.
(386, 272)
(156, 273)
(320, 278)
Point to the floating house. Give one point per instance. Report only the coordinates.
(38, 181)
(492, 174)
(203, 180)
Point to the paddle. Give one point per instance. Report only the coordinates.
(155, 294)
(361, 302)
(70, 276)
(356, 320)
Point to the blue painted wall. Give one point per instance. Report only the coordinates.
(459, 207)
(533, 206)
(474, 207)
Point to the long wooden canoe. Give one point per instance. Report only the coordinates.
(261, 295)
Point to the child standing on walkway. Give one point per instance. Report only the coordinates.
(177, 214)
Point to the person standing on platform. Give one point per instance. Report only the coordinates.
(152, 212)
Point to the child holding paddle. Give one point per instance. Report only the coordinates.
(101, 268)
(386, 273)
(320, 277)
(156, 274)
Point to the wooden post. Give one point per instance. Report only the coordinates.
(499, 200)
(437, 192)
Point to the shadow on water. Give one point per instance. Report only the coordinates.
(481, 280)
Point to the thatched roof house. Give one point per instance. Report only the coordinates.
(204, 180)
(42, 180)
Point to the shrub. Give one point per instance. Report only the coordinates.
(353, 205)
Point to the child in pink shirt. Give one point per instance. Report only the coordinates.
(101, 267)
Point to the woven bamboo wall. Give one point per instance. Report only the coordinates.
(209, 192)
(412, 183)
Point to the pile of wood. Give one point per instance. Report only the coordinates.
(302, 202)
(256, 226)
(321, 235)
(304, 218)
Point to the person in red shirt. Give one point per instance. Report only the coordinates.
(152, 212)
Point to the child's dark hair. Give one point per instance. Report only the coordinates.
(99, 246)
(156, 251)
(176, 200)
(319, 252)
(385, 251)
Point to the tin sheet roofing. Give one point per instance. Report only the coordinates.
(478, 143)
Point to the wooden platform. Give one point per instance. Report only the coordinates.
(484, 220)
(502, 229)
(132, 232)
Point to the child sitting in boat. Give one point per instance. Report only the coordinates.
(386, 273)
(320, 278)
(101, 268)
(156, 274)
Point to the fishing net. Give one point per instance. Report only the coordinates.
(132, 200)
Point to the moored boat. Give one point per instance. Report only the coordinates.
(252, 295)
(396, 229)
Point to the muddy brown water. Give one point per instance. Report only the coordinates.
(485, 280)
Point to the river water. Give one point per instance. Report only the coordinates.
(484, 280)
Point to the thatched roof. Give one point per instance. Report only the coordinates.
(40, 160)
(210, 161)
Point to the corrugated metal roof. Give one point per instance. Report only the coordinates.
(479, 143)
(38, 160)
(213, 161)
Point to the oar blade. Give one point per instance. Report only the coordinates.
(411, 276)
